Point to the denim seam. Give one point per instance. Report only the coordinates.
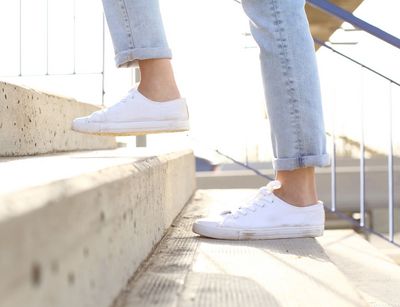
(287, 73)
(128, 26)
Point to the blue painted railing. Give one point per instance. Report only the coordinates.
(344, 15)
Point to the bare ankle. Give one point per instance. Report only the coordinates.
(157, 80)
(158, 92)
(298, 187)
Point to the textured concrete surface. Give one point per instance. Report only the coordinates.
(390, 250)
(77, 239)
(33, 122)
(375, 276)
(19, 173)
(187, 270)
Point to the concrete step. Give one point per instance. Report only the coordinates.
(374, 275)
(75, 227)
(33, 122)
(187, 270)
(390, 250)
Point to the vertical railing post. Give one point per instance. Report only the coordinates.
(103, 60)
(141, 140)
(362, 154)
(333, 158)
(333, 173)
(74, 35)
(47, 37)
(20, 38)
(390, 170)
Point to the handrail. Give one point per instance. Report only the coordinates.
(394, 41)
(344, 15)
(321, 43)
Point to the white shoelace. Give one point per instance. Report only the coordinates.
(261, 199)
(118, 105)
(129, 96)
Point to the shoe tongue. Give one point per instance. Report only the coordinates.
(273, 185)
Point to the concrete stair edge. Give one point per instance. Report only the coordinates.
(84, 237)
(375, 275)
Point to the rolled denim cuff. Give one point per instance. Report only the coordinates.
(288, 164)
(128, 58)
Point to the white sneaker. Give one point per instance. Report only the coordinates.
(136, 115)
(266, 216)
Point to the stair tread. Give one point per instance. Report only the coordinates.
(22, 174)
(375, 275)
(186, 270)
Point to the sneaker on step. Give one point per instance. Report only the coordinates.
(266, 216)
(136, 115)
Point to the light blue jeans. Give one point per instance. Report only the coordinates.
(288, 66)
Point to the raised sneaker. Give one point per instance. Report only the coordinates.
(266, 216)
(136, 115)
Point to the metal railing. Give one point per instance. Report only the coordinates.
(48, 73)
(333, 10)
(338, 12)
(102, 72)
(344, 15)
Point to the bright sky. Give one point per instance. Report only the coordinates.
(216, 65)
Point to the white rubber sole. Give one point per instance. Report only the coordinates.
(258, 233)
(133, 128)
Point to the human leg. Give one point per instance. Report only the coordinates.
(292, 92)
(136, 30)
(157, 80)
(139, 39)
(287, 207)
(291, 82)
(298, 186)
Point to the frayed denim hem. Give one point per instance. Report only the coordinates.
(288, 164)
(128, 58)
